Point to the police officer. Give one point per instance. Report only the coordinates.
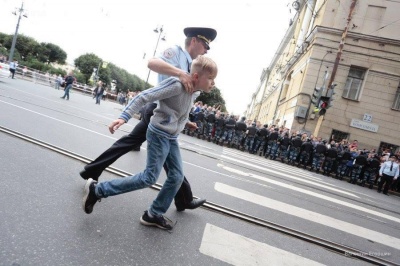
(219, 128)
(250, 135)
(261, 139)
(240, 130)
(272, 144)
(210, 122)
(284, 144)
(330, 159)
(230, 124)
(343, 159)
(359, 164)
(200, 123)
(318, 156)
(389, 171)
(295, 147)
(305, 152)
(371, 170)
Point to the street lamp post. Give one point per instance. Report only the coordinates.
(159, 31)
(14, 41)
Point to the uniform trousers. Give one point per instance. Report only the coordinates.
(387, 179)
(133, 140)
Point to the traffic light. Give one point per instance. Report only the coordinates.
(316, 95)
(324, 104)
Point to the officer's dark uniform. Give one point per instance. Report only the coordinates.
(284, 147)
(272, 144)
(200, 120)
(343, 159)
(251, 133)
(305, 153)
(219, 128)
(261, 140)
(330, 158)
(210, 120)
(240, 130)
(230, 124)
(318, 156)
(294, 151)
(358, 166)
(371, 171)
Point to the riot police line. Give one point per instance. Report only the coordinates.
(330, 159)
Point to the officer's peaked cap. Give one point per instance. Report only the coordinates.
(205, 34)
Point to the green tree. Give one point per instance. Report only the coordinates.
(54, 53)
(214, 98)
(85, 63)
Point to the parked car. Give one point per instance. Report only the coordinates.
(4, 70)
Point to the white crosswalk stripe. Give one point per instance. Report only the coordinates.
(235, 249)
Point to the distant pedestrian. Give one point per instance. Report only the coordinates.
(24, 71)
(59, 82)
(13, 67)
(69, 80)
(98, 92)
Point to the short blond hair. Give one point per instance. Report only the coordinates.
(204, 64)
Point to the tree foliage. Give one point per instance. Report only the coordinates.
(33, 54)
(28, 49)
(214, 98)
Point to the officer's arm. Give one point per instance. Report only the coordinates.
(161, 67)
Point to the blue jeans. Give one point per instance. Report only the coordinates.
(66, 91)
(98, 98)
(160, 149)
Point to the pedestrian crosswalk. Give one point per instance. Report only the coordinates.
(233, 248)
(308, 215)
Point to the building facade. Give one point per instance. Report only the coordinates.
(353, 44)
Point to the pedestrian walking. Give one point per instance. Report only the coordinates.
(13, 66)
(69, 80)
(98, 92)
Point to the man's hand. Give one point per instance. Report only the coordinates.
(191, 125)
(115, 125)
(186, 80)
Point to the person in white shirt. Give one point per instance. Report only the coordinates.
(13, 67)
(389, 171)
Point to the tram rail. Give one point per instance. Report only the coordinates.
(329, 245)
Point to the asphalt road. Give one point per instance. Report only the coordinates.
(43, 222)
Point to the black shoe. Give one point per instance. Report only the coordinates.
(89, 198)
(158, 221)
(379, 191)
(386, 194)
(195, 203)
(86, 175)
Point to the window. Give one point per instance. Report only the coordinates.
(285, 88)
(383, 146)
(354, 82)
(338, 135)
(396, 103)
